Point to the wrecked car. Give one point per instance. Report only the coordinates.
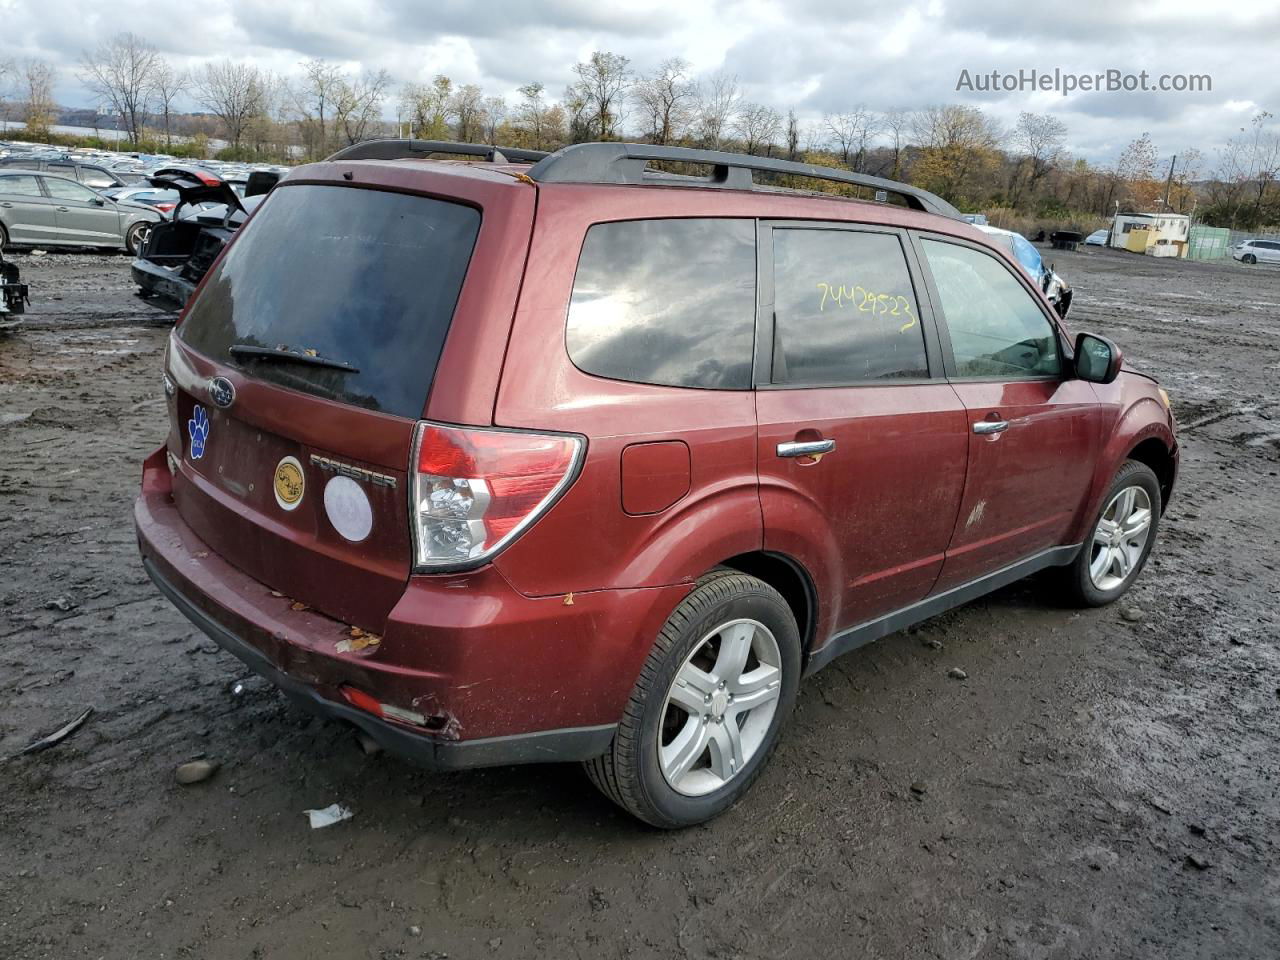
(181, 250)
(13, 295)
(1057, 290)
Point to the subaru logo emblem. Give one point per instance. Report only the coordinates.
(222, 392)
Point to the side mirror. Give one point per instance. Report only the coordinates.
(1098, 360)
(98, 202)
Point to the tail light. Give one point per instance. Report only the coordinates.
(475, 490)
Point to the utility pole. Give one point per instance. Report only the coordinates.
(1168, 184)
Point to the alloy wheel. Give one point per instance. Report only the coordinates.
(1120, 538)
(719, 707)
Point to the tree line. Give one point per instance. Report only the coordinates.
(1021, 172)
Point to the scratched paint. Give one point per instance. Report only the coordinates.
(975, 515)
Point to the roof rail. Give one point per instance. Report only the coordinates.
(625, 163)
(392, 149)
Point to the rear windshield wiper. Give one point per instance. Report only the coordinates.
(270, 353)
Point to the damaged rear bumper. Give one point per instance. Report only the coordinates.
(546, 746)
(493, 676)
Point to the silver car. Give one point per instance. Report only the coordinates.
(43, 210)
(1257, 251)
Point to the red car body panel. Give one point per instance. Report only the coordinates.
(872, 519)
(1024, 487)
(550, 635)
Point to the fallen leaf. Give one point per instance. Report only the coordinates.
(298, 605)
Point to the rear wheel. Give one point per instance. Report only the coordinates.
(1121, 539)
(709, 705)
(137, 237)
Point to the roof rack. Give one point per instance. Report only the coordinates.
(625, 163)
(392, 149)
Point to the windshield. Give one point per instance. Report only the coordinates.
(368, 278)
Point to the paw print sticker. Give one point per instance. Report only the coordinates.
(198, 431)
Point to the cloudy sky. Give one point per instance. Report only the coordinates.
(815, 55)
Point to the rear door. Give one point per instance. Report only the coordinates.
(302, 368)
(28, 214)
(83, 216)
(1033, 430)
(862, 443)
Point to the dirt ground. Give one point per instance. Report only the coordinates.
(1104, 784)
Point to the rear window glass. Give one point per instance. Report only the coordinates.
(669, 302)
(366, 278)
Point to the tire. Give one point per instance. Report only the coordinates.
(137, 236)
(1249, 258)
(726, 613)
(4, 237)
(1083, 583)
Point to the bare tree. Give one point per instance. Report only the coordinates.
(718, 101)
(36, 90)
(7, 74)
(851, 132)
(665, 98)
(758, 126)
(167, 84)
(495, 115)
(357, 105)
(313, 98)
(793, 135)
(467, 106)
(235, 93)
(1038, 138)
(895, 123)
(603, 81)
(121, 74)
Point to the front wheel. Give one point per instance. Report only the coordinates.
(137, 238)
(1121, 540)
(1249, 258)
(709, 705)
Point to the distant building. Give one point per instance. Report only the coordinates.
(1155, 234)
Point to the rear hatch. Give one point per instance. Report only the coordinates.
(326, 319)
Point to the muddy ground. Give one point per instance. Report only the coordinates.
(1104, 784)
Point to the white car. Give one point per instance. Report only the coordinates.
(1096, 239)
(1257, 251)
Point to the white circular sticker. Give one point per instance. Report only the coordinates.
(348, 508)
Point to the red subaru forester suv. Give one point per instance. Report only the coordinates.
(591, 456)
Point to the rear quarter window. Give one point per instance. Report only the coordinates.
(668, 302)
(368, 278)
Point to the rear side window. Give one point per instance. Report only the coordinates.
(997, 330)
(844, 309)
(669, 302)
(20, 186)
(365, 278)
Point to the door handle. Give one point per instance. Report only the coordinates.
(62, 209)
(809, 448)
(986, 427)
(6, 204)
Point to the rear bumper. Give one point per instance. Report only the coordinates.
(501, 678)
(547, 746)
(157, 281)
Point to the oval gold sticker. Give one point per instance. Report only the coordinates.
(289, 483)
